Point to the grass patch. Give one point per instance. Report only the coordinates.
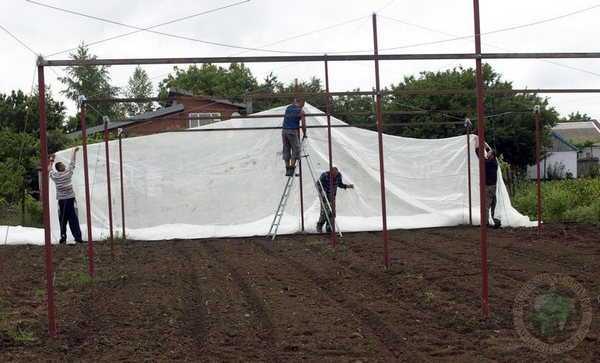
(575, 200)
(74, 279)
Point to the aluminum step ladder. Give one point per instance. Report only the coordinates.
(286, 194)
(289, 184)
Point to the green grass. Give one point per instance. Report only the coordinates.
(574, 200)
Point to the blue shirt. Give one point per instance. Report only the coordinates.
(326, 180)
(292, 117)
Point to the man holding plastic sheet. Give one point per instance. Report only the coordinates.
(327, 203)
(294, 115)
(491, 179)
(66, 197)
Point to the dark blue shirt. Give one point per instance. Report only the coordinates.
(491, 171)
(292, 117)
(326, 180)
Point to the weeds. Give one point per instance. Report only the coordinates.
(576, 200)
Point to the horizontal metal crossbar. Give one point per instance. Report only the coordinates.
(313, 58)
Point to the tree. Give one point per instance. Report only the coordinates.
(90, 81)
(510, 130)
(576, 117)
(211, 80)
(138, 86)
(19, 135)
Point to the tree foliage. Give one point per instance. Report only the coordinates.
(138, 86)
(90, 81)
(19, 135)
(510, 125)
(211, 80)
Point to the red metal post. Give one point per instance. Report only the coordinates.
(333, 235)
(301, 195)
(110, 219)
(481, 136)
(300, 169)
(88, 213)
(386, 253)
(468, 125)
(122, 189)
(538, 141)
(52, 326)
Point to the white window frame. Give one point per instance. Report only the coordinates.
(197, 119)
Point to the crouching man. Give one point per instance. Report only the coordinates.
(325, 180)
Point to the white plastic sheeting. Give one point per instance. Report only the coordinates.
(229, 183)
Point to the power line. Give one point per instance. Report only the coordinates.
(514, 27)
(153, 26)
(162, 33)
(350, 21)
(19, 40)
(489, 44)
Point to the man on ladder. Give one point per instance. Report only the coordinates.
(294, 115)
(328, 197)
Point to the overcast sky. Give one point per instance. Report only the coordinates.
(258, 23)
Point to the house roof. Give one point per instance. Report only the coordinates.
(174, 92)
(578, 132)
(142, 117)
(563, 141)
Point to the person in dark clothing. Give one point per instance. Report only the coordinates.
(491, 180)
(294, 117)
(66, 197)
(325, 180)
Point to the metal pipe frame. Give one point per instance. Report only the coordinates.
(469, 172)
(386, 252)
(332, 234)
(51, 307)
(477, 56)
(88, 212)
(108, 187)
(263, 95)
(538, 183)
(481, 138)
(317, 58)
(122, 185)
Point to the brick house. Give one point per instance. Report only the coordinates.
(184, 111)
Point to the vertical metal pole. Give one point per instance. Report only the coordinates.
(52, 326)
(538, 181)
(300, 170)
(333, 235)
(469, 171)
(82, 115)
(108, 187)
(483, 212)
(386, 253)
(122, 189)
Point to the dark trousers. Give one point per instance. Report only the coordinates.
(67, 213)
(325, 214)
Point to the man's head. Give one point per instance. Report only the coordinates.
(60, 166)
(334, 171)
(299, 101)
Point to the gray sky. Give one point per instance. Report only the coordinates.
(258, 23)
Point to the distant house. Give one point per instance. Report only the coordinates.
(185, 110)
(567, 152)
(559, 161)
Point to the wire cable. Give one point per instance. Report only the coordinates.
(489, 44)
(19, 40)
(96, 42)
(207, 42)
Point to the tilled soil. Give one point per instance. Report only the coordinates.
(295, 299)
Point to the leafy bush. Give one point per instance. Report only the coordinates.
(576, 200)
